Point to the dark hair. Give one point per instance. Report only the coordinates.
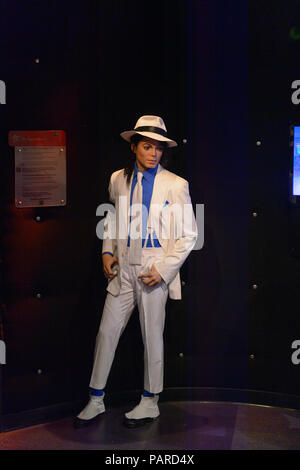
(128, 170)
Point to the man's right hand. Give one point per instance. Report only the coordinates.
(108, 268)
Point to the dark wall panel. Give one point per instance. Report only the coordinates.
(52, 283)
(273, 233)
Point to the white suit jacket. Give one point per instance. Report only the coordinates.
(177, 237)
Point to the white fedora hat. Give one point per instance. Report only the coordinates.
(150, 126)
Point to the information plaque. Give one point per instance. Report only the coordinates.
(40, 168)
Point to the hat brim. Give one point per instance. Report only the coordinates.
(128, 134)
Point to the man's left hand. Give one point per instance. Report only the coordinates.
(152, 278)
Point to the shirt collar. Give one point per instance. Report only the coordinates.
(149, 174)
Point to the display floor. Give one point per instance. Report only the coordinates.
(182, 426)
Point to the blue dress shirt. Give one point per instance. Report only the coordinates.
(147, 183)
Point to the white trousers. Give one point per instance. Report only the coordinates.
(151, 302)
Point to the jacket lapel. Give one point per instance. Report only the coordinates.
(159, 188)
(159, 195)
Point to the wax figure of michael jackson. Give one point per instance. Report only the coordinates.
(141, 261)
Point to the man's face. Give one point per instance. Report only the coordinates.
(148, 153)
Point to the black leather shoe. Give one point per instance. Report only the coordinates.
(136, 423)
(82, 423)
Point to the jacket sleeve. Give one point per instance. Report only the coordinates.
(109, 244)
(169, 266)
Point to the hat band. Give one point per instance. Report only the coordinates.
(156, 130)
